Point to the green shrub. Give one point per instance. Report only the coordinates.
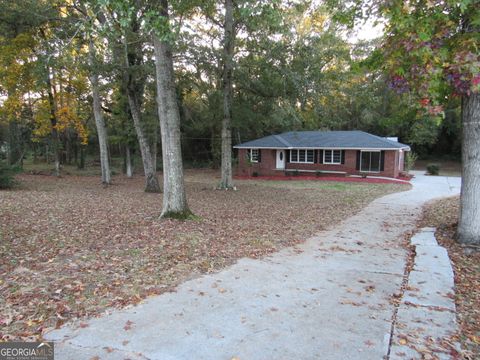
(433, 169)
(255, 174)
(7, 175)
(410, 159)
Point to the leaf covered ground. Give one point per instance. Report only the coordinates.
(443, 214)
(70, 248)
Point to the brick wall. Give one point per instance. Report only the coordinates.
(391, 164)
(267, 166)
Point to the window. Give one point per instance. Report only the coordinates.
(301, 156)
(254, 155)
(370, 161)
(332, 156)
(294, 156)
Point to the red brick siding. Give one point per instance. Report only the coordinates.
(390, 164)
(267, 166)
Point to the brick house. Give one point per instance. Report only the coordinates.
(322, 152)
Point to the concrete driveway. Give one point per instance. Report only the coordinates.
(329, 298)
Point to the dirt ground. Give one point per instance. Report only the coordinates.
(443, 214)
(70, 248)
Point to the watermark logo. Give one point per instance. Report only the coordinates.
(26, 351)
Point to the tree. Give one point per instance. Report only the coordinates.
(249, 16)
(98, 115)
(126, 41)
(33, 33)
(432, 51)
(174, 197)
(226, 181)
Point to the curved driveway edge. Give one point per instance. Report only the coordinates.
(330, 298)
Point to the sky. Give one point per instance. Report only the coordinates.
(367, 31)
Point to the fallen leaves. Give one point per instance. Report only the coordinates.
(128, 325)
(443, 214)
(351, 302)
(369, 343)
(71, 249)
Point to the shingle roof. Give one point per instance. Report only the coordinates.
(323, 139)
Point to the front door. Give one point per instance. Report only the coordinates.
(280, 159)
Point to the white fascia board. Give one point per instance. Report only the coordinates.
(407, 148)
(259, 147)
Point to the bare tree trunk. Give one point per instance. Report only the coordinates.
(151, 179)
(155, 149)
(99, 121)
(81, 164)
(469, 224)
(53, 123)
(174, 198)
(226, 181)
(128, 162)
(14, 143)
(133, 86)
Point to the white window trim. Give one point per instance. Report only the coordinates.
(250, 157)
(332, 162)
(379, 161)
(298, 157)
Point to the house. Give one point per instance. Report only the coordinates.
(322, 152)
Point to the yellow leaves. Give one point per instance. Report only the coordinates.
(41, 119)
(474, 338)
(314, 22)
(12, 108)
(67, 117)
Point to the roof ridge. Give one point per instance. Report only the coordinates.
(381, 138)
(282, 140)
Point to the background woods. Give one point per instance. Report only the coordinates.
(290, 67)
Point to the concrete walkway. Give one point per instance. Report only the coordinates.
(426, 317)
(330, 298)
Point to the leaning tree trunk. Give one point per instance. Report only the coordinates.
(226, 181)
(134, 89)
(151, 179)
(99, 121)
(469, 224)
(174, 198)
